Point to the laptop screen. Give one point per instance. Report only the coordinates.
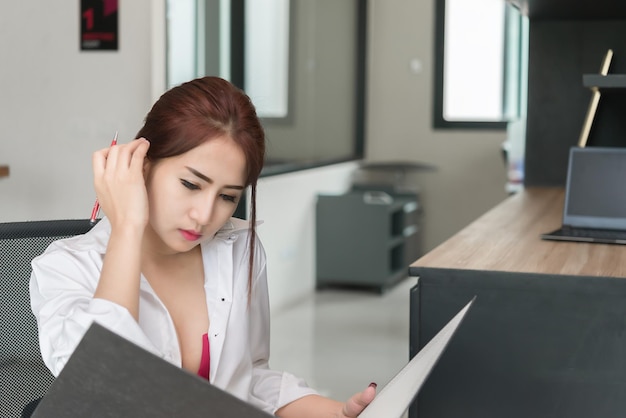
(596, 188)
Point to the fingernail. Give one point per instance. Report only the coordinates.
(373, 385)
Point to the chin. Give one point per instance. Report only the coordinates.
(183, 247)
(175, 244)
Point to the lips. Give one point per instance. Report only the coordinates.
(190, 235)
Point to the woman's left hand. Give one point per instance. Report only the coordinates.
(314, 406)
(357, 403)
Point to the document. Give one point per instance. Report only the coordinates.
(109, 376)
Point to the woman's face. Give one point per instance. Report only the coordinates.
(191, 196)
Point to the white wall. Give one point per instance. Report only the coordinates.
(471, 176)
(58, 104)
(286, 204)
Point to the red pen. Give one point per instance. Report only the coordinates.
(96, 206)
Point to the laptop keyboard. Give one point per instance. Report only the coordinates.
(605, 234)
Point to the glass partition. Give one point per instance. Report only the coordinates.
(301, 61)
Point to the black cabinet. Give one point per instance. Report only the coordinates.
(366, 238)
(533, 345)
(568, 40)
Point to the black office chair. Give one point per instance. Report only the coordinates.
(24, 378)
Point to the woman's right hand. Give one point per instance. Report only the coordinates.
(120, 184)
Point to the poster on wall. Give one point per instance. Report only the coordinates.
(99, 25)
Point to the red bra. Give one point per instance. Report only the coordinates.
(205, 360)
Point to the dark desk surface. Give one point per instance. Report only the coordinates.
(507, 238)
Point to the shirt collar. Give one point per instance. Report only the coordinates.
(233, 228)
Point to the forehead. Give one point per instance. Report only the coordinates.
(220, 159)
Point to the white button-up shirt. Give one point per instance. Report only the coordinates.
(65, 277)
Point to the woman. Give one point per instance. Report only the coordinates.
(168, 268)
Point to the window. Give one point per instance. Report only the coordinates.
(267, 56)
(477, 70)
(182, 41)
(301, 62)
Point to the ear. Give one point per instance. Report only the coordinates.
(147, 166)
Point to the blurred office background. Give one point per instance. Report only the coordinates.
(58, 104)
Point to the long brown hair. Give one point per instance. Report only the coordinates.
(198, 111)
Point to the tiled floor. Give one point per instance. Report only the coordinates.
(341, 340)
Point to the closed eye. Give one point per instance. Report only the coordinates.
(229, 198)
(189, 185)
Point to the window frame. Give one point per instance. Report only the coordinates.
(237, 77)
(439, 122)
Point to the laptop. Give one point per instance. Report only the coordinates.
(109, 376)
(595, 197)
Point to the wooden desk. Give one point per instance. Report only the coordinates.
(546, 336)
(507, 238)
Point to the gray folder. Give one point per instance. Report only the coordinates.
(109, 376)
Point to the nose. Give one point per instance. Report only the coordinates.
(202, 211)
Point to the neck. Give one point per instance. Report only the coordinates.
(155, 253)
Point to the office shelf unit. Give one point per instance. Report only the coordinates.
(366, 238)
(609, 81)
(604, 124)
(567, 41)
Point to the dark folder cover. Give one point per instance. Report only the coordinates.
(109, 376)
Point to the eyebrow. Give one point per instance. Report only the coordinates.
(209, 180)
